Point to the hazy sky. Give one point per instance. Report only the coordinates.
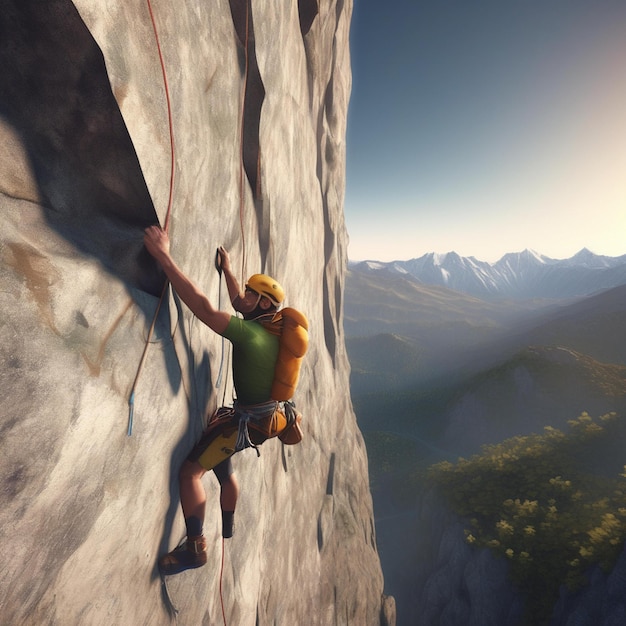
(485, 127)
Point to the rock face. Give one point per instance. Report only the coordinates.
(454, 583)
(458, 584)
(601, 602)
(259, 95)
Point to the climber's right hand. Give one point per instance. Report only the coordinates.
(157, 242)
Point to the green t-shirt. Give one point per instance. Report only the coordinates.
(255, 351)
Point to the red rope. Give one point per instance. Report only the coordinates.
(169, 118)
(221, 576)
(241, 142)
(131, 400)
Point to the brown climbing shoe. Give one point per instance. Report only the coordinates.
(190, 554)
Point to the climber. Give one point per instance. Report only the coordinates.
(255, 352)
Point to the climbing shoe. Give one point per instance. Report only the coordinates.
(190, 554)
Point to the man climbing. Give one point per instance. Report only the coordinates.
(255, 352)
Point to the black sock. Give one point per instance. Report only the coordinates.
(194, 526)
(228, 524)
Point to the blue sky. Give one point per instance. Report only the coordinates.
(486, 127)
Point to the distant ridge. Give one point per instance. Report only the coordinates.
(525, 274)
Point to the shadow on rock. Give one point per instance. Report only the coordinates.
(56, 95)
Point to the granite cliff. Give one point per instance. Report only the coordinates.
(240, 142)
(454, 583)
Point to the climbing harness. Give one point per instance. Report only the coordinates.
(231, 429)
(266, 418)
(131, 399)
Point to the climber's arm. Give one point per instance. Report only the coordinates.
(158, 245)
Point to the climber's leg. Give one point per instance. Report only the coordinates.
(229, 492)
(192, 553)
(192, 495)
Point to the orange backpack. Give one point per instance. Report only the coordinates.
(291, 327)
(294, 341)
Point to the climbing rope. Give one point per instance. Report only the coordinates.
(131, 399)
(221, 577)
(169, 119)
(218, 267)
(241, 142)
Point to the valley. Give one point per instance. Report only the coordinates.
(437, 374)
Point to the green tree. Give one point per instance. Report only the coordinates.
(552, 504)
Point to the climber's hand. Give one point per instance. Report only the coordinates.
(157, 242)
(223, 259)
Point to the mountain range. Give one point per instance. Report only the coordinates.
(424, 355)
(518, 275)
(410, 356)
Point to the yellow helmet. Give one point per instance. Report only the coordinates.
(268, 287)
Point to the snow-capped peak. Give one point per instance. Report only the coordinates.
(517, 274)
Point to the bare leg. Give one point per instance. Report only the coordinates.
(192, 553)
(229, 492)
